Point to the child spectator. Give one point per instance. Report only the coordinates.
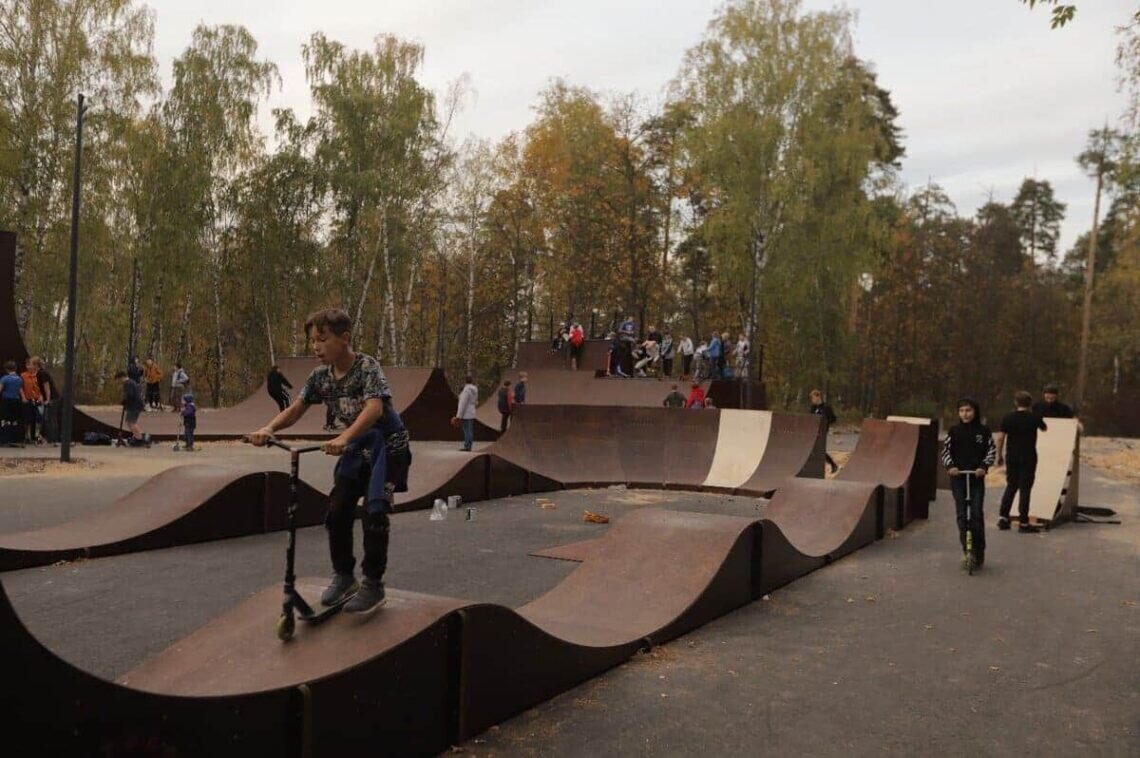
(275, 384)
(696, 397)
(1019, 433)
(179, 386)
(50, 415)
(134, 372)
(820, 408)
(12, 402)
(651, 353)
(615, 357)
(709, 404)
(153, 375)
(701, 363)
(668, 349)
(465, 411)
(686, 349)
(33, 403)
(506, 404)
(189, 419)
(133, 406)
(968, 451)
(577, 340)
(674, 399)
(520, 389)
(714, 353)
(740, 355)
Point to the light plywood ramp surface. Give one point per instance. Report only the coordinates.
(1054, 489)
(741, 441)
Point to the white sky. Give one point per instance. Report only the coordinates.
(988, 93)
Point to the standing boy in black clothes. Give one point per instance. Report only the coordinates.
(275, 384)
(1050, 406)
(820, 408)
(1019, 432)
(133, 406)
(968, 451)
(375, 440)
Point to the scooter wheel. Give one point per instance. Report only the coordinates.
(285, 628)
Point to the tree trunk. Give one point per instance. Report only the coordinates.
(268, 332)
(1086, 310)
(470, 346)
(184, 332)
(219, 346)
(156, 317)
(407, 317)
(133, 335)
(380, 242)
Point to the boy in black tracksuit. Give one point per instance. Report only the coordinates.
(969, 450)
(1019, 433)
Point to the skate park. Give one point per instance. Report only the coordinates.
(713, 515)
(752, 294)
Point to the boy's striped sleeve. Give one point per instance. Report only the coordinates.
(947, 458)
(991, 453)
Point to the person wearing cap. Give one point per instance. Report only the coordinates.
(1050, 406)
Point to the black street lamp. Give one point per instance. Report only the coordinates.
(69, 371)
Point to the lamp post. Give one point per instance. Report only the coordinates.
(69, 371)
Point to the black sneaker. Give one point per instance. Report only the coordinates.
(1027, 529)
(1003, 524)
(368, 598)
(340, 588)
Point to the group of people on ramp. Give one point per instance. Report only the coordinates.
(655, 354)
(970, 449)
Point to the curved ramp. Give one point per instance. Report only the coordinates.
(797, 447)
(421, 395)
(887, 455)
(179, 506)
(742, 438)
(426, 672)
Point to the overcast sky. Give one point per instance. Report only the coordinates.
(988, 93)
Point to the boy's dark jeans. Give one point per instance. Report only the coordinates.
(977, 500)
(342, 513)
(504, 422)
(1019, 477)
(188, 432)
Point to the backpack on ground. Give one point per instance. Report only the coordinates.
(96, 438)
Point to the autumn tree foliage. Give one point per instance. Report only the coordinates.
(758, 194)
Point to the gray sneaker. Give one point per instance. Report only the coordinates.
(369, 598)
(340, 588)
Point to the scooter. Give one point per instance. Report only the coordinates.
(970, 562)
(294, 604)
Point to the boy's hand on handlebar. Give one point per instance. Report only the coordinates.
(954, 471)
(336, 446)
(261, 437)
(980, 473)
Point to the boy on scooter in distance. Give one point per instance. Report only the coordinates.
(968, 451)
(374, 450)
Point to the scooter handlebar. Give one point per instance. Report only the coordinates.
(274, 442)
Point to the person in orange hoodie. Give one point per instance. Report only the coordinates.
(33, 402)
(696, 397)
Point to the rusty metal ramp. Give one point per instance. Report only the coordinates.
(179, 506)
(416, 676)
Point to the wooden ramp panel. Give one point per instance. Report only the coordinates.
(742, 438)
(1055, 490)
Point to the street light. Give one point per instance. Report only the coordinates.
(69, 371)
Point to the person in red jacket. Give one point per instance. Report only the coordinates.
(696, 397)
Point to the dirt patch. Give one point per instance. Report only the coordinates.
(840, 457)
(1116, 457)
(49, 466)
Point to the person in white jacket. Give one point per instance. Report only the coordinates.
(468, 401)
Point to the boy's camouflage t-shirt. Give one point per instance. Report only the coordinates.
(365, 380)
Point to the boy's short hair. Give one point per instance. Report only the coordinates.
(37, 361)
(120, 374)
(506, 382)
(468, 379)
(332, 320)
(815, 393)
(1051, 389)
(9, 365)
(1022, 399)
